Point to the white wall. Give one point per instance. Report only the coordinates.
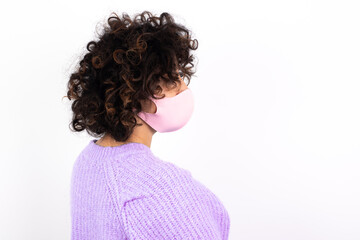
(275, 132)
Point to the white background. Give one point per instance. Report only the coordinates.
(275, 131)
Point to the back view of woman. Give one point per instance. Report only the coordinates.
(129, 86)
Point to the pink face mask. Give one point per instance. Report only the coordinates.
(172, 112)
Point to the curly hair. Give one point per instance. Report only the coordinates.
(124, 66)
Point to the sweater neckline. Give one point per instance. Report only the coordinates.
(101, 151)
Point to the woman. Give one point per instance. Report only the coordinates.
(129, 86)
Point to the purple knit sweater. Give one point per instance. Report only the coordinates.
(126, 192)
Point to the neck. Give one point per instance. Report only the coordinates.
(141, 134)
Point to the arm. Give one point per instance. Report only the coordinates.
(166, 217)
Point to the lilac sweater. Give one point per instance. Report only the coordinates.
(126, 192)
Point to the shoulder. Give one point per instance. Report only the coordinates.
(144, 174)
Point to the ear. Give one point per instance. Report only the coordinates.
(148, 106)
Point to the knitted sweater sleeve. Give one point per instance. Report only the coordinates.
(163, 217)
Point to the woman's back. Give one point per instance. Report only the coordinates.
(126, 192)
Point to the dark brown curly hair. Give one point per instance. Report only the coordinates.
(125, 66)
